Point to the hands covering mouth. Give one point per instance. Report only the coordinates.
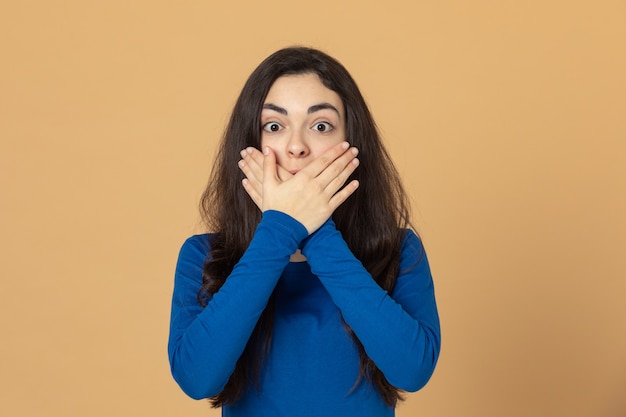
(310, 197)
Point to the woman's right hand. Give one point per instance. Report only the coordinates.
(251, 164)
(311, 195)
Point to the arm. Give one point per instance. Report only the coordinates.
(400, 332)
(205, 343)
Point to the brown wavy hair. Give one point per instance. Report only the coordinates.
(372, 220)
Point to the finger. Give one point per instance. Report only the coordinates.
(255, 180)
(283, 174)
(257, 156)
(336, 174)
(269, 166)
(326, 159)
(253, 193)
(254, 158)
(340, 179)
(343, 194)
(251, 185)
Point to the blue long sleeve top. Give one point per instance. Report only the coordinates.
(313, 363)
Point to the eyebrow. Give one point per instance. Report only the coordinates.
(312, 109)
(275, 108)
(323, 106)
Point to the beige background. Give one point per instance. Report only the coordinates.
(507, 120)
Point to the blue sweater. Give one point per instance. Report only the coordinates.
(313, 363)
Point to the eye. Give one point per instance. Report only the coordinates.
(323, 127)
(272, 127)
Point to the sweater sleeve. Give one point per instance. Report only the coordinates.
(205, 343)
(399, 331)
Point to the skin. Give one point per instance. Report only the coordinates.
(305, 161)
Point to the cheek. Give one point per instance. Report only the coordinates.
(319, 149)
(263, 142)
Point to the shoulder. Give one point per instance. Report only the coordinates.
(412, 244)
(194, 251)
(200, 243)
(413, 253)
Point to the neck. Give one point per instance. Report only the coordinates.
(297, 257)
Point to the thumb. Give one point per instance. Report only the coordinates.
(269, 166)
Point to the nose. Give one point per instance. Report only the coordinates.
(297, 147)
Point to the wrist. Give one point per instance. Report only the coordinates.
(283, 221)
(324, 229)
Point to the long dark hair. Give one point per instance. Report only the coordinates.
(372, 220)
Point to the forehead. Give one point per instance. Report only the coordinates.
(302, 89)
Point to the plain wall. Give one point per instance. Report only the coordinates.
(507, 120)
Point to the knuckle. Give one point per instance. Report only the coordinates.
(317, 187)
(324, 160)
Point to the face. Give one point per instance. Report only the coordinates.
(301, 119)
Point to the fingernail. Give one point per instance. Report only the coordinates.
(345, 145)
(243, 153)
(266, 150)
(355, 151)
(241, 164)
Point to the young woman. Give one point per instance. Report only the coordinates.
(312, 296)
